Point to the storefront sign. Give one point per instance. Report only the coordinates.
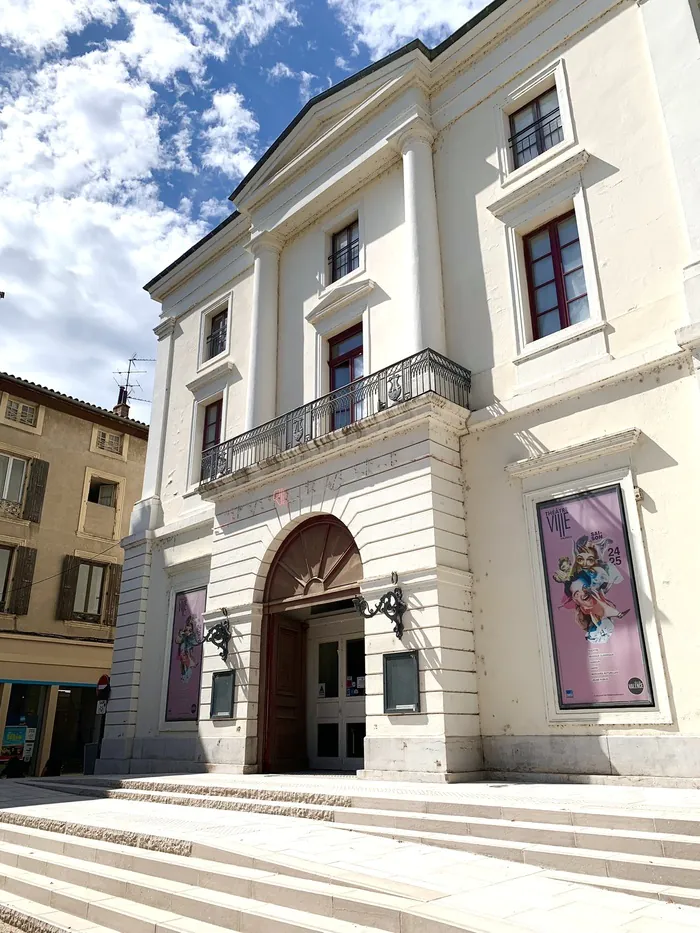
(13, 739)
(185, 672)
(599, 650)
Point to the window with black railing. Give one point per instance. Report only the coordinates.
(216, 340)
(425, 372)
(345, 251)
(535, 128)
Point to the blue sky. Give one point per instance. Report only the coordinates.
(124, 126)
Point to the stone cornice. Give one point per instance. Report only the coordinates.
(165, 328)
(578, 453)
(531, 186)
(209, 375)
(338, 297)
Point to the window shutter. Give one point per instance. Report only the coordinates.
(114, 585)
(69, 583)
(21, 587)
(36, 487)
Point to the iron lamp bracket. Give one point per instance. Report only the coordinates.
(219, 635)
(391, 605)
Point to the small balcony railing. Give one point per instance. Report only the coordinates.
(216, 342)
(417, 375)
(536, 138)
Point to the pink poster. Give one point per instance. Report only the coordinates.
(185, 671)
(599, 648)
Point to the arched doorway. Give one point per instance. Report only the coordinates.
(312, 708)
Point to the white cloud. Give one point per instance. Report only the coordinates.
(215, 209)
(155, 47)
(385, 25)
(342, 63)
(214, 24)
(305, 78)
(231, 135)
(34, 26)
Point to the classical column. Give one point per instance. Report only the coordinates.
(425, 314)
(673, 39)
(147, 513)
(262, 363)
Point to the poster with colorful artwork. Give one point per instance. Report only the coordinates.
(185, 671)
(599, 649)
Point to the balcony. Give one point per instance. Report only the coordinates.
(408, 379)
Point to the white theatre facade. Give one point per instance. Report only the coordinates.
(447, 343)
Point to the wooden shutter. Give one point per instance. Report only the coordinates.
(69, 583)
(112, 598)
(21, 586)
(36, 487)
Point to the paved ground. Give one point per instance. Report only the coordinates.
(535, 899)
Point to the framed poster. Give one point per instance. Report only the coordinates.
(600, 655)
(185, 670)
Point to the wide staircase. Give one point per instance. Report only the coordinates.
(57, 876)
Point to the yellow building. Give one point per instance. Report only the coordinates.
(70, 473)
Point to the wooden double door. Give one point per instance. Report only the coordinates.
(314, 694)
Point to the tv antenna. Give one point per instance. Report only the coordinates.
(128, 386)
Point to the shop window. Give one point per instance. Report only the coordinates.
(401, 688)
(102, 493)
(535, 128)
(556, 280)
(222, 691)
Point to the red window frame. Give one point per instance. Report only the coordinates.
(536, 128)
(212, 418)
(334, 363)
(552, 227)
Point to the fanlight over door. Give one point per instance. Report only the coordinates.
(317, 563)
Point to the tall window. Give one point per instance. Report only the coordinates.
(88, 593)
(535, 128)
(345, 251)
(555, 276)
(346, 364)
(216, 341)
(12, 471)
(5, 561)
(211, 432)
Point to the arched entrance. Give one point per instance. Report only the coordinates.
(312, 670)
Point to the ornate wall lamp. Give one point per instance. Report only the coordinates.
(219, 635)
(391, 605)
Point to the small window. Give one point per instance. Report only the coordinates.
(355, 667)
(216, 338)
(327, 739)
(89, 591)
(5, 563)
(327, 669)
(112, 443)
(21, 412)
(211, 431)
(401, 689)
(535, 128)
(345, 251)
(222, 684)
(12, 471)
(556, 280)
(102, 493)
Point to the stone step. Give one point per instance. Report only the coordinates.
(666, 893)
(313, 804)
(665, 871)
(670, 845)
(203, 865)
(128, 912)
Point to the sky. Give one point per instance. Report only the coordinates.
(124, 126)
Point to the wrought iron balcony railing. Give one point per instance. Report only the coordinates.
(216, 342)
(427, 371)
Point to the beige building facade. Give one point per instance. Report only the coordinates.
(69, 476)
(447, 343)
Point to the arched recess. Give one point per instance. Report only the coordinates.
(318, 563)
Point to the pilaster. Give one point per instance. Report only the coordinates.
(261, 404)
